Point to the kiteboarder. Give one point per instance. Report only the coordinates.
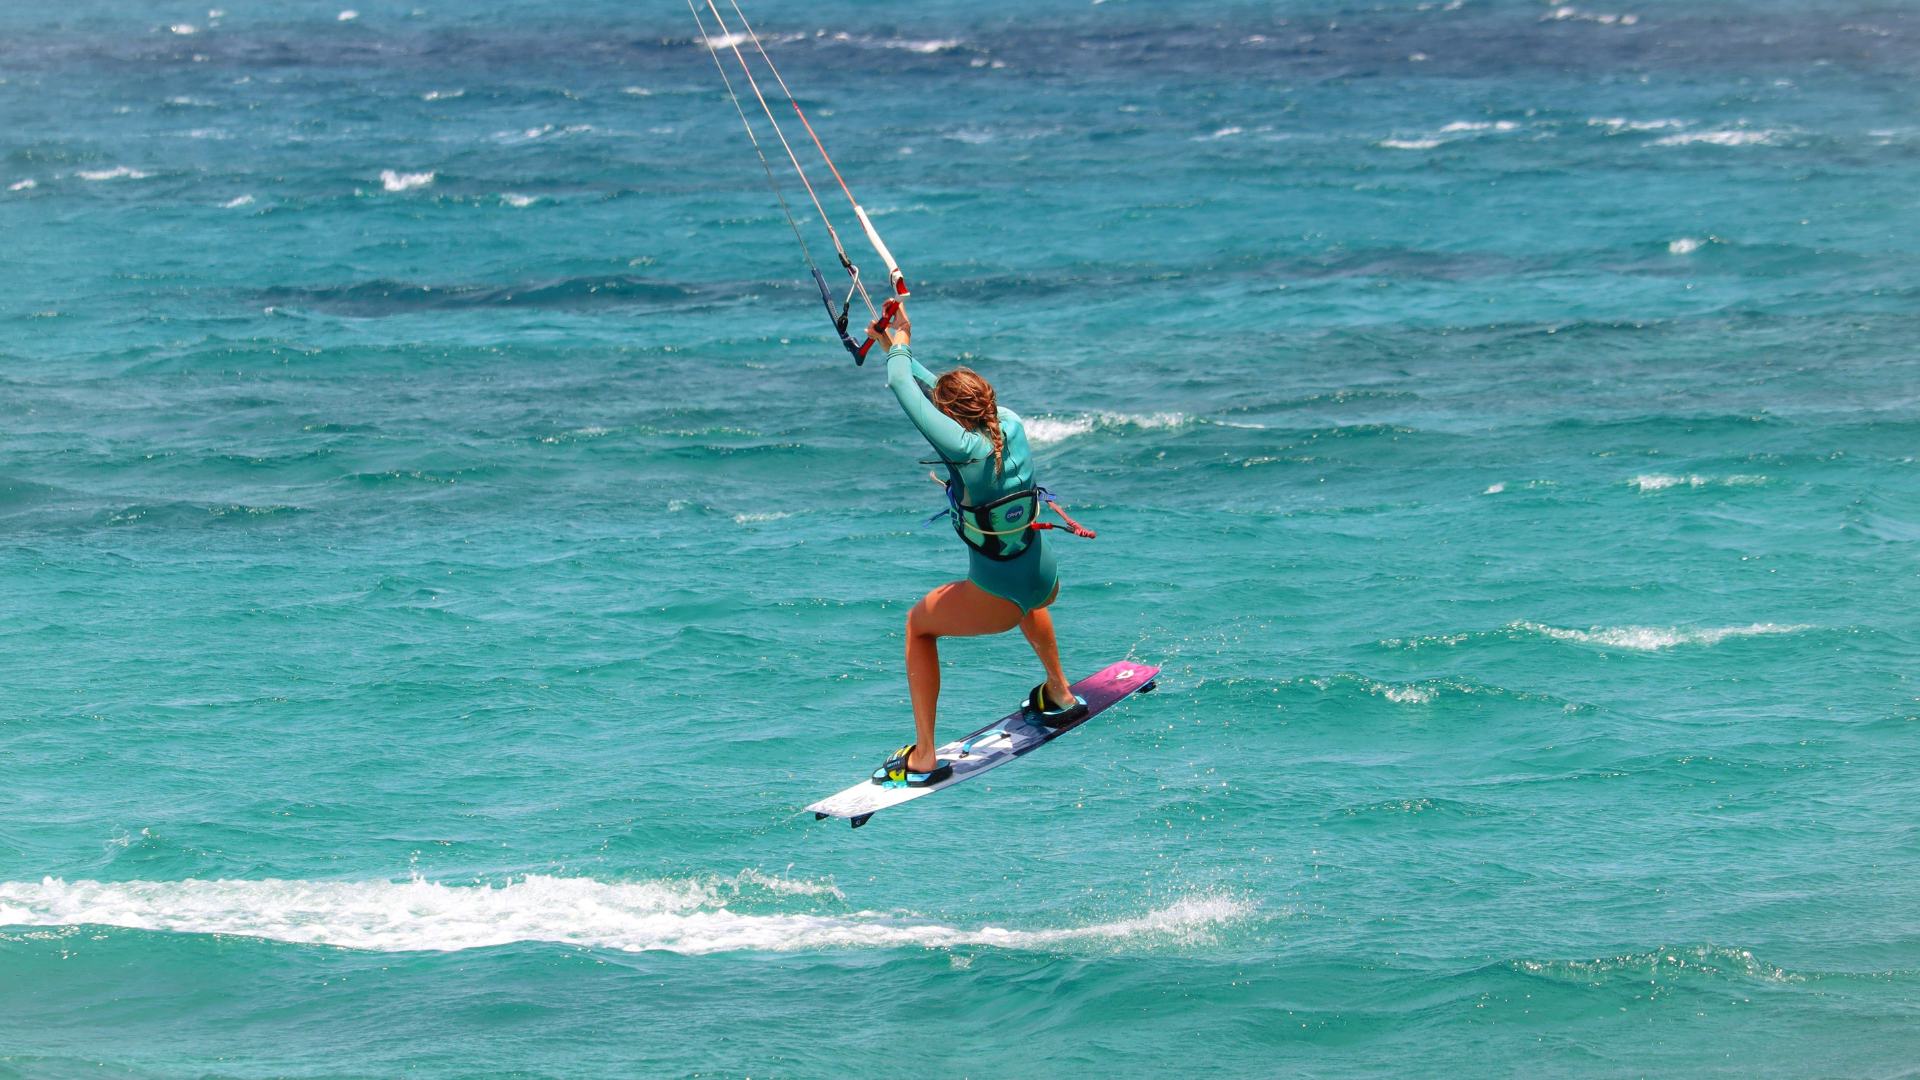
(994, 505)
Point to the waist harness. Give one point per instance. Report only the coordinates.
(1002, 529)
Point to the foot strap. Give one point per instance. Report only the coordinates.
(896, 774)
(1052, 715)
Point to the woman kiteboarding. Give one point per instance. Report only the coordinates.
(991, 497)
(994, 505)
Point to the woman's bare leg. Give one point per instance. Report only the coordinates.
(956, 609)
(1038, 627)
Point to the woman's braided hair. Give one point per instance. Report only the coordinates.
(968, 398)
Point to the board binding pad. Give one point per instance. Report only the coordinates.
(1014, 735)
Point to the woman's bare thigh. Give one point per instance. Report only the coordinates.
(962, 609)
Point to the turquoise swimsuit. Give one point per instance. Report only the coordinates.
(1029, 578)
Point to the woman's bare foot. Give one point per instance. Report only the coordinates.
(1060, 694)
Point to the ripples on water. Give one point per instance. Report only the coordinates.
(443, 548)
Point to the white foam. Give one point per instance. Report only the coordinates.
(690, 916)
(1654, 638)
(1408, 694)
(1495, 489)
(442, 95)
(1567, 12)
(347, 16)
(636, 91)
(1662, 481)
(23, 185)
(762, 518)
(1046, 430)
(726, 41)
(544, 130)
(519, 201)
(1617, 124)
(1410, 144)
(116, 173)
(591, 431)
(1734, 137)
(1478, 125)
(1686, 245)
(183, 29)
(925, 47)
(235, 203)
(399, 181)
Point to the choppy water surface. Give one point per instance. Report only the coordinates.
(442, 547)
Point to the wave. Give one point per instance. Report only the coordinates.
(690, 916)
(1651, 482)
(118, 172)
(1617, 124)
(395, 297)
(1733, 137)
(1424, 692)
(1449, 132)
(191, 514)
(1569, 13)
(1638, 638)
(1047, 430)
(1674, 961)
(539, 132)
(1392, 808)
(23, 185)
(392, 180)
(1654, 638)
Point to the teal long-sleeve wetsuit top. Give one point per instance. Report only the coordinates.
(1028, 579)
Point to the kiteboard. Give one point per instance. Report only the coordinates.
(1014, 735)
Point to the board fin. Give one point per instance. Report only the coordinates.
(858, 819)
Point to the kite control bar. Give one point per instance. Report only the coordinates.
(837, 313)
(886, 316)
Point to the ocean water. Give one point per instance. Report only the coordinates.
(442, 546)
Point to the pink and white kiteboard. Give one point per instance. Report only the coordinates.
(1013, 735)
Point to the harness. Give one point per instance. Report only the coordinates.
(1002, 529)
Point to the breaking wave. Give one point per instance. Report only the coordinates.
(1047, 430)
(1654, 638)
(394, 180)
(689, 916)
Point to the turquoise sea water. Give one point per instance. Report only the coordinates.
(442, 548)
